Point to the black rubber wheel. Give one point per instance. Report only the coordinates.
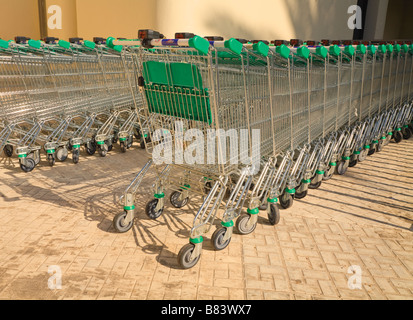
(119, 222)
(103, 150)
(75, 156)
(91, 148)
(301, 195)
(150, 209)
(327, 176)
(241, 224)
(353, 163)
(286, 201)
(184, 255)
(110, 147)
(274, 215)
(372, 151)
(315, 185)
(61, 154)
(51, 159)
(142, 144)
(342, 168)
(130, 142)
(397, 136)
(123, 147)
(407, 134)
(380, 146)
(363, 155)
(175, 202)
(217, 239)
(29, 166)
(8, 150)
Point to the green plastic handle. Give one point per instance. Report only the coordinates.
(4, 44)
(261, 48)
(200, 44)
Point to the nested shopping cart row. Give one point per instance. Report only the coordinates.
(60, 96)
(298, 114)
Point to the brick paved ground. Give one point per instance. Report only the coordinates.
(62, 216)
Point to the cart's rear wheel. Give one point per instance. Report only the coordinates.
(151, 211)
(61, 154)
(174, 199)
(8, 150)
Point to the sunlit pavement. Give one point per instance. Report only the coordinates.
(350, 239)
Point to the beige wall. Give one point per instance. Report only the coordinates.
(19, 18)
(116, 18)
(258, 19)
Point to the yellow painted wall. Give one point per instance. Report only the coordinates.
(251, 19)
(19, 18)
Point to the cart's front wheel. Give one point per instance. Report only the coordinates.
(103, 150)
(353, 163)
(286, 200)
(342, 167)
(119, 222)
(328, 174)
(174, 199)
(397, 136)
(61, 154)
(151, 211)
(75, 156)
(407, 134)
(274, 215)
(380, 145)
(217, 239)
(91, 148)
(123, 147)
(301, 195)
(51, 159)
(242, 224)
(29, 166)
(184, 256)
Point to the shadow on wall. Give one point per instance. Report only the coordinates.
(307, 20)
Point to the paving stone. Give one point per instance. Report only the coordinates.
(63, 216)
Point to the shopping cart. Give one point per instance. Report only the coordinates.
(317, 107)
(70, 90)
